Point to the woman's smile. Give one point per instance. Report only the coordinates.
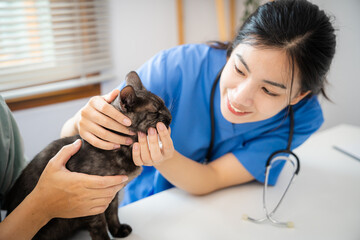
(235, 109)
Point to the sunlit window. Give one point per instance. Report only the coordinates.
(46, 41)
(26, 35)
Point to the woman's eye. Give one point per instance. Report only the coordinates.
(238, 70)
(269, 93)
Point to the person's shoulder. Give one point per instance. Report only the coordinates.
(195, 47)
(308, 114)
(4, 109)
(7, 121)
(309, 105)
(193, 51)
(2, 102)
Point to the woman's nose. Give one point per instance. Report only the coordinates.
(244, 93)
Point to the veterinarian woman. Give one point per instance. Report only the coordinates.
(59, 192)
(279, 58)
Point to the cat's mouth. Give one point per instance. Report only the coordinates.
(144, 129)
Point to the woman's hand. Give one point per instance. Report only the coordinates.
(148, 151)
(66, 194)
(95, 118)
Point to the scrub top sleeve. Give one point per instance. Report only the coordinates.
(161, 75)
(152, 74)
(308, 119)
(254, 154)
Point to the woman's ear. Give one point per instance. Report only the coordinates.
(299, 97)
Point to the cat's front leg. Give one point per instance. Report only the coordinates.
(97, 227)
(115, 227)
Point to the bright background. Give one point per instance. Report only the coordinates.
(141, 28)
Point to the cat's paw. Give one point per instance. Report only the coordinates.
(123, 231)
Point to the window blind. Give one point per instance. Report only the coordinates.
(52, 44)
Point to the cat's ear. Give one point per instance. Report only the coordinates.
(133, 79)
(127, 98)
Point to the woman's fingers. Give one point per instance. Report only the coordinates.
(136, 154)
(97, 142)
(98, 118)
(144, 149)
(165, 138)
(155, 152)
(102, 106)
(101, 137)
(148, 151)
(104, 114)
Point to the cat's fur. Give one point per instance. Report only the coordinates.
(145, 110)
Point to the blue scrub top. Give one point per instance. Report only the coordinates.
(183, 77)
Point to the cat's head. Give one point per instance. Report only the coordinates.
(144, 108)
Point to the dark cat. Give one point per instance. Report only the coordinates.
(145, 110)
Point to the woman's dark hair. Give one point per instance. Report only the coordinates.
(299, 28)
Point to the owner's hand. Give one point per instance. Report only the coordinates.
(97, 116)
(65, 194)
(148, 151)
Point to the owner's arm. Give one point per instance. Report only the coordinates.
(25, 221)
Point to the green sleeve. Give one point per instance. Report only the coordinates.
(12, 158)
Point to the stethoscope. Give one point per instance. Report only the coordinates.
(280, 155)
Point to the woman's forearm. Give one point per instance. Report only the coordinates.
(189, 175)
(25, 221)
(69, 128)
(200, 179)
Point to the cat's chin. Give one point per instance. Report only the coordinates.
(134, 174)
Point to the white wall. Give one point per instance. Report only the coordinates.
(344, 76)
(141, 28)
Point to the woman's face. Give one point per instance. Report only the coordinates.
(255, 84)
